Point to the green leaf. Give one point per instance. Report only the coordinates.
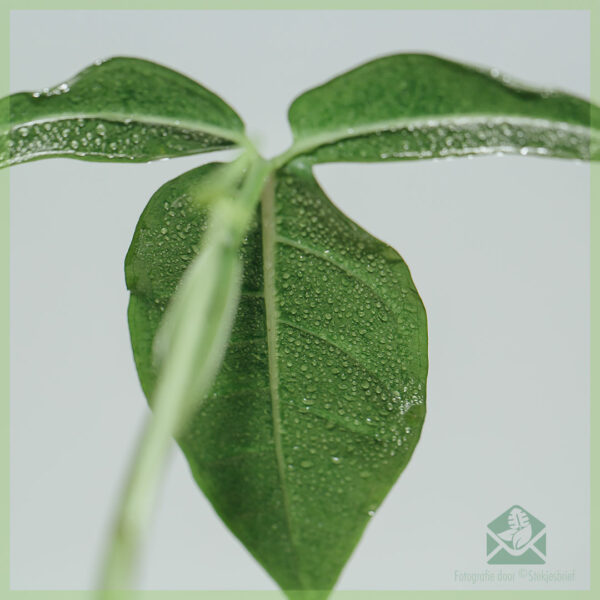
(411, 106)
(320, 400)
(122, 110)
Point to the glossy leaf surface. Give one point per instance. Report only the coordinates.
(411, 106)
(321, 397)
(123, 109)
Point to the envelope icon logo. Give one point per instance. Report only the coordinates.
(516, 537)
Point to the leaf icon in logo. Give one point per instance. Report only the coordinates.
(521, 537)
(520, 528)
(517, 518)
(507, 535)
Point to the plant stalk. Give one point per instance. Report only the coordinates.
(189, 348)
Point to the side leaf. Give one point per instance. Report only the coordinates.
(121, 110)
(320, 400)
(411, 106)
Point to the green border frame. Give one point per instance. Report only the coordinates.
(593, 6)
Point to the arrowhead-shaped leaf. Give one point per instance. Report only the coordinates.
(122, 110)
(320, 400)
(410, 106)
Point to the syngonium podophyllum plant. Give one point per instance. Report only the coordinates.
(282, 346)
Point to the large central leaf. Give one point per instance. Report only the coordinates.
(321, 397)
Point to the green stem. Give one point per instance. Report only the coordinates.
(136, 506)
(189, 348)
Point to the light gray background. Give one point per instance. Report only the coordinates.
(498, 247)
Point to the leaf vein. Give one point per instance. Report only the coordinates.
(269, 241)
(320, 255)
(333, 344)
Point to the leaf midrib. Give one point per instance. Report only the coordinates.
(271, 317)
(305, 145)
(129, 118)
